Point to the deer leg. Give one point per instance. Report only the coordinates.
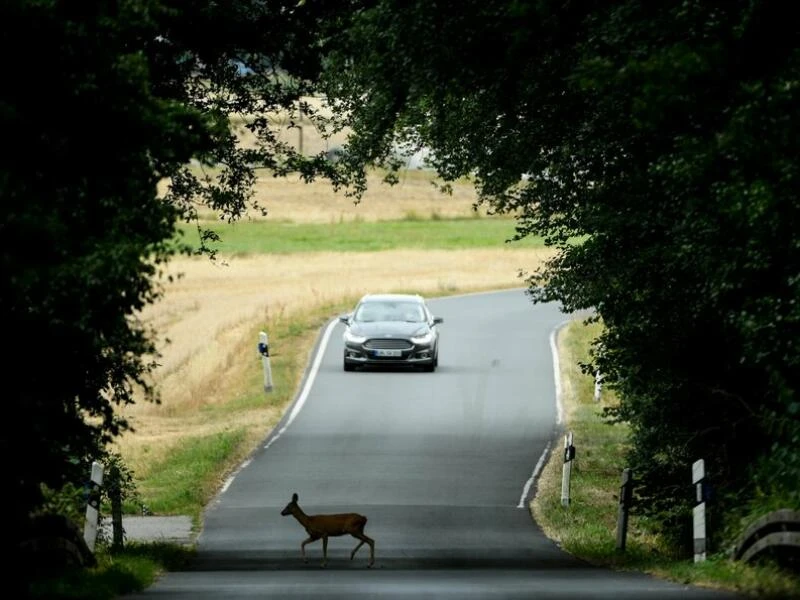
(324, 550)
(303, 546)
(353, 553)
(364, 539)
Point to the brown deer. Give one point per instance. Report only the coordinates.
(324, 526)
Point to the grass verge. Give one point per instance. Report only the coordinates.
(587, 527)
(132, 570)
(185, 480)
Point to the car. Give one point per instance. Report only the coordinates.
(391, 330)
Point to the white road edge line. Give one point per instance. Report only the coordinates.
(533, 476)
(557, 373)
(301, 400)
(559, 413)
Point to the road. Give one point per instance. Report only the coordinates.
(440, 463)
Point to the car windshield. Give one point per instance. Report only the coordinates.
(390, 311)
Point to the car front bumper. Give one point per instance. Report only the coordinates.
(362, 355)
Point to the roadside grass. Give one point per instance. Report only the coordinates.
(185, 479)
(131, 570)
(586, 528)
(188, 477)
(411, 232)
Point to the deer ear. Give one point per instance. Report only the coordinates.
(294, 497)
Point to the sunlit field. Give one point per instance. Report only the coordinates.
(209, 319)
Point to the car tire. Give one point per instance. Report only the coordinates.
(349, 367)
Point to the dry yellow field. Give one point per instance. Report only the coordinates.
(212, 314)
(292, 201)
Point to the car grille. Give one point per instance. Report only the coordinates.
(388, 344)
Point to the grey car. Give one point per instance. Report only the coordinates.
(391, 329)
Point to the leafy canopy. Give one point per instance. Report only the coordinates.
(101, 101)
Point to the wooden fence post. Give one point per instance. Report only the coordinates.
(115, 493)
(625, 496)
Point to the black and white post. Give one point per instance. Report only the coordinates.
(699, 511)
(263, 351)
(566, 473)
(93, 505)
(598, 385)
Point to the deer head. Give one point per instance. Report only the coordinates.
(288, 508)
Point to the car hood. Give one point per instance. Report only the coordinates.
(388, 328)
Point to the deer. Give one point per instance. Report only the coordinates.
(325, 526)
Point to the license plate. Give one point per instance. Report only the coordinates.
(388, 353)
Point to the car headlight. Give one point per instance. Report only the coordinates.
(424, 337)
(352, 338)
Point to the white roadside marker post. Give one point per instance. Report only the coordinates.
(263, 351)
(699, 511)
(93, 506)
(566, 472)
(598, 385)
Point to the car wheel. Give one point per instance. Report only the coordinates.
(349, 367)
(429, 368)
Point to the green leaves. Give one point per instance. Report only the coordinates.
(100, 102)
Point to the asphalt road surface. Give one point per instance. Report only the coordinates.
(442, 464)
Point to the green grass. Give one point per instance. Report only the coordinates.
(587, 527)
(190, 476)
(259, 237)
(131, 570)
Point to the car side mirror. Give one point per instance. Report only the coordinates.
(345, 319)
(437, 320)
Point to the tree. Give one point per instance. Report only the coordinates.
(654, 146)
(101, 101)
